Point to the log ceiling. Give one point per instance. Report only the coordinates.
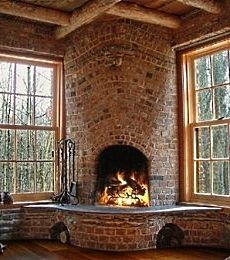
(71, 14)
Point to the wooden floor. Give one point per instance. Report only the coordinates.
(43, 249)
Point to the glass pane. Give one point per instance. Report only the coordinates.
(45, 176)
(44, 111)
(219, 141)
(204, 105)
(44, 81)
(6, 76)
(6, 177)
(6, 108)
(25, 79)
(25, 145)
(222, 102)
(202, 142)
(203, 72)
(220, 68)
(25, 177)
(6, 144)
(45, 145)
(203, 177)
(24, 110)
(220, 178)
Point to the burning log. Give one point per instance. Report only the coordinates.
(115, 183)
(123, 190)
(135, 186)
(114, 190)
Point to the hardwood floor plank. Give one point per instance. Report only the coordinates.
(53, 250)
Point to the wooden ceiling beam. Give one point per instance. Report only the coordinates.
(85, 14)
(143, 14)
(34, 12)
(210, 6)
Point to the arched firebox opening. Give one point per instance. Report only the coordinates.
(122, 177)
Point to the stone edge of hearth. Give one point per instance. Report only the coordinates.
(118, 210)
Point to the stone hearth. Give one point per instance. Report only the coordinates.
(122, 229)
(118, 228)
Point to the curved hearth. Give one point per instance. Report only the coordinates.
(124, 229)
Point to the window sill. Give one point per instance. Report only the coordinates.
(24, 203)
(200, 204)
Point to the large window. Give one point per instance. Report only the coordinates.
(206, 142)
(29, 126)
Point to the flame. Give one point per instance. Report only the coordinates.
(120, 177)
(126, 192)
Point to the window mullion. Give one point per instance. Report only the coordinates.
(229, 159)
(211, 158)
(15, 163)
(212, 90)
(35, 162)
(14, 90)
(15, 131)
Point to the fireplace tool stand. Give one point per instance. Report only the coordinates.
(66, 163)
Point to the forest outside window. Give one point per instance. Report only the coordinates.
(29, 126)
(207, 125)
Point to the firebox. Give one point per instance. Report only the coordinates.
(122, 178)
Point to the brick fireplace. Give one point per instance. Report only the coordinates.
(121, 92)
(120, 88)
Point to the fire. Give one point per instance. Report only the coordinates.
(125, 191)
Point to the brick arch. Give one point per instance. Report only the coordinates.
(122, 140)
(170, 235)
(59, 231)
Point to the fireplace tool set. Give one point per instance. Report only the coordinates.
(66, 166)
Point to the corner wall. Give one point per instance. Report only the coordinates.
(120, 89)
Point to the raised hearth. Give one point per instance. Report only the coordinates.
(125, 228)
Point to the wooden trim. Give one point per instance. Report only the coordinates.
(84, 15)
(143, 14)
(32, 196)
(27, 127)
(211, 6)
(200, 42)
(211, 199)
(33, 59)
(186, 151)
(35, 12)
(186, 124)
(207, 49)
(57, 107)
(60, 120)
(181, 127)
(211, 123)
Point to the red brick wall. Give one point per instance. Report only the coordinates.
(28, 37)
(115, 231)
(133, 102)
(203, 26)
(125, 231)
(11, 219)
